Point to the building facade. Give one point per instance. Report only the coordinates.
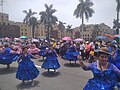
(7, 28)
(89, 32)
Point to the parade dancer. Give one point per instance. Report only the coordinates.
(115, 58)
(104, 72)
(71, 53)
(33, 49)
(26, 68)
(43, 49)
(51, 61)
(6, 57)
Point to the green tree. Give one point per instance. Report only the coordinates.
(33, 23)
(29, 14)
(84, 10)
(116, 22)
(61, 27)
(95, 32)
(48, 19)
(30, 20)
(70, 30)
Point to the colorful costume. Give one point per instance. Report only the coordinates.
(6, 57)
(33, 50)
(102, 80)
(71, 54)
(116, 58)
(26, 69)
(51, 61)
(42, 50)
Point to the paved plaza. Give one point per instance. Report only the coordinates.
(68, 77)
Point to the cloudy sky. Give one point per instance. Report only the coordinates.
(105, 10)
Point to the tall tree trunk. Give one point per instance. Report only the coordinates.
(117, 30)
(82, 23)
(33, 33)
(61, 33)
(48, 32)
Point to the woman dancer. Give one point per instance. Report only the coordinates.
(71, 53)
(6, 57)
(104, 72)
(26, 68)
(51, 61)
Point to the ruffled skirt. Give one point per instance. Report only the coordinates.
(97, 84)
(27, 71)
(51, 63)
(7, 59)
(71, 56)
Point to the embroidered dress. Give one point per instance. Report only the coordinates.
(51, 61)
(7, 57)
(42, 50)
(71, 54)
(116, 59)
(26, 68)
(102, 80)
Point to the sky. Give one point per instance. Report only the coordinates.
(105, 10)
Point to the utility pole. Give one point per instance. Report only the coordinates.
(2, 17)
(1, 4)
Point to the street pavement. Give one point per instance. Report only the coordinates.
(67, 77)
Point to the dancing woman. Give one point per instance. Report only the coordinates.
(26, 68)
(104, 73)
(71, 53)
(51, 61)
(6, 57)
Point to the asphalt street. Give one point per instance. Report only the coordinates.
(67, 77)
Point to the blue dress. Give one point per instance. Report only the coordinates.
(42, 50)
(71, 54)
(26, 68)
(7, 57)
(102, 80)
(116, 59)
(51, 61)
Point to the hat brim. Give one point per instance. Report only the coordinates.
(104, 52)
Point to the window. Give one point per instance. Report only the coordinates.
(3, 23)
(7, 17)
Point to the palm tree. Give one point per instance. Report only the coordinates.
(116, 24)
(30, 20)
(69, 29)
(61, 27)
(117, 20)
(33, 23)
(48, 19)
(29, 14)
(84, 10)
(95, 31)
